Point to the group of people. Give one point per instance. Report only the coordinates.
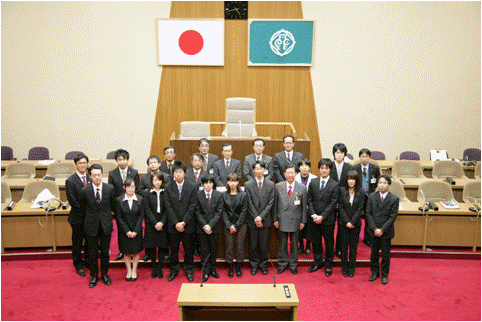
(178, 204)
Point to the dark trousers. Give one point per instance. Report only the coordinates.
(153, 253)
(285, 260)
(209, 247)
(174, 264)
(385, 245)
(234, 244)
(349, 237)
(304, 235)
(258, 247)
(338, 237)
(78, 238)
(366, 234)
(327, 233)
(93, 242)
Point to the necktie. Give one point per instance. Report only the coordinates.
(169, 167)
(260, 186)
(365, 182)
(364, 172)
(83, 181)
(290, 192)
(227, 165)
(205, 165)
(381, 199)
(180, 190)
(338, 170)
(258, 158)
(123, 176)
(288, 158)
(97, 195)
(209, 199)
(322, 185)
(195, 176)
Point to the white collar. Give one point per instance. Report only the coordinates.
(134, 197)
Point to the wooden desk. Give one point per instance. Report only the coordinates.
(21, 227)
(411, 187)
(427, 166)
(445, 227)
(237, 302)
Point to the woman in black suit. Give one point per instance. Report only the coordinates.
(155, 236)
(234, 217)
(129, 216)
(351, 203)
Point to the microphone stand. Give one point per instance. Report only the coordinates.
(274, 271)
(202, 269)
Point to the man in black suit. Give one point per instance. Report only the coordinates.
(196, 172)
(369, 174)
(338, 173)
(73, 186)
(180, 199)
(261, 197)
(381, 212)
(166, 165)
(226, 165)
(97, 202)
(249, 160)
(322, 200)
(209, 158)
(119, 175)
(287, 157)
(153, 163)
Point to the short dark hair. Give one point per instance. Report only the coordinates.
(325, 161)
(159, 176)
(79, 157)
(352, 174)
(128, 182)
(259, 139)
(300, 163)
(341, 147)
(226, 144)
(121, 153)
(199, 155)
(366, 151)
(208, 178)
(96, 166)
(261, 164)
(153, 157)
(167, 148)
(386, 177)
(203, 140)
(233, 176)
(178, 164)
(288, 136)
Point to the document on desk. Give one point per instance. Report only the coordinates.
(449, 205)
(46, 162)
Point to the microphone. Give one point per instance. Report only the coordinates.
(476, 207)
(202, 269)
(65, 205)
(274, 271)
(424, 205)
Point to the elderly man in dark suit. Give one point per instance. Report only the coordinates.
(249, 160)
(196, 172)
(287, 157)
(209, 158)
(290, 217)
(226, 165)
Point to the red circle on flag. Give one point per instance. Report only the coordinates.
(191, 42)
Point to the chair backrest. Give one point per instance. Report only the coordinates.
(409, 155)
(477, 170)
(471, 155)
(7, 153)
(371, 161)
(107, 166)
(436, 191)
(195, 130)
(397, 189)
(349, 156)
(407, 169)
(6, 193)
(240, 117)
(447, 168)
(111, 155)
(471, 190)
(62, 169)
(32, 189)
(72, 154)
(378, 155)
(38, 153)
(19, 170)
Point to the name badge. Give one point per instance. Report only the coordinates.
(297, 202)
(211, 171)
(373, 180)
(265, 172)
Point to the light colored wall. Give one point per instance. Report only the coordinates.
(83, 75)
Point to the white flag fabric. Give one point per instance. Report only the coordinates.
(190, 42)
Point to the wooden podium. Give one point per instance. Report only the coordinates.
(238, 302)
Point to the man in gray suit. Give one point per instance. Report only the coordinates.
(287, 157)
(226, 165)
(249, 160)
(209, 158)
(290, 217)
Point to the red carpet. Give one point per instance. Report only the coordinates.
(419, 289)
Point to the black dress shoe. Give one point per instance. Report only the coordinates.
(231, 270)
(93, 281)
(133, 279)
(308, 250)
(264, 271)
(154, 273)
(328, 272)
(171, 277)
(384, 280)
(345, 274)
(313, 268)
(190, 277)
(166, 258)
(128, 279)
(281, 270)
(146, 258)
(107, 281)
(373, 277)
(214, 274)
(80, 271)
(351, 274)
(119, 256)
(294, 271)
(197, 253)
(205, 278)
(159, 273)
(254, 271)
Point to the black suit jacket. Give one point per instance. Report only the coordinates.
(373, 173)
(209, 215)
(164, 168)
(97, 215)
(260, 205)
(280, 163)
(150, 215)
(350, 213)
(382, 216)
(180, 210)
(130, 219)
(323, 203)
(334, 174)
(235, 211)
(145, 182)
(73, 186)
(221, 173)
(190, 176)
(212, 158)
(115, 179)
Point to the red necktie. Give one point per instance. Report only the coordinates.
(83, 181)
(290, 192)
(195, 176)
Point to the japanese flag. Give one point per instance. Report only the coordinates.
(190, 42)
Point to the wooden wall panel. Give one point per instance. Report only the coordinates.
(283, 94)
